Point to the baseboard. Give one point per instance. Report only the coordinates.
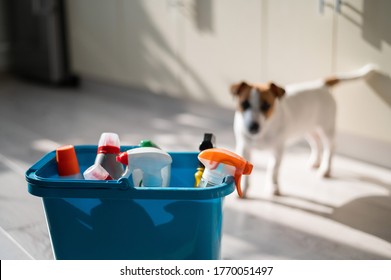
(362, 148)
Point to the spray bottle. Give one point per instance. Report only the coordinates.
(108, 149)
(153, 164)
(207, 143)
(96, 172)
(220, 163)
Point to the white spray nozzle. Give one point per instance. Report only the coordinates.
(150, 161)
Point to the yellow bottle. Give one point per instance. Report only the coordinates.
(198, 176)
(207, 143)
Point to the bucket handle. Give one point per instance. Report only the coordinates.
(40, 163)
(125, 183)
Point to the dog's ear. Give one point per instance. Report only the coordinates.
(276, 90)
(236, 89)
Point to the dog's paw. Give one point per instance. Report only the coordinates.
(273, 189)
(314, 165)
(244, 195)
(276, 192)
(324, 173)
(245, 187)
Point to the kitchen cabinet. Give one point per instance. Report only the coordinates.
(222, 45)
(298, 40)
(125, 42)
(187, 48)
(93, 38)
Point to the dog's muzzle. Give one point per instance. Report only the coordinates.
(254, 127)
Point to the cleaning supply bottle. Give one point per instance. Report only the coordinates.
(108, 149)
(220, 163)
(153, 164)
(67, 164)
(207, 143)
(96, 172)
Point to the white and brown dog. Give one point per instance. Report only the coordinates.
(268, 115)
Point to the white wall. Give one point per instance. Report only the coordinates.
(364, 108)
(197, 48)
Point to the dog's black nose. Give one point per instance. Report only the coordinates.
(254, 127)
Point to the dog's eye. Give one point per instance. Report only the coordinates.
(265, 107)
(245, 105)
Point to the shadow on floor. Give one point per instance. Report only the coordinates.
(270, 239)
(370, 214)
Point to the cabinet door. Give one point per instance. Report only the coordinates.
(298, 40)
(93, 37)
(128, 42)
(150, 38)
(364, 36)
(222, 45)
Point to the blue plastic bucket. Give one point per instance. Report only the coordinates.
(114, 220)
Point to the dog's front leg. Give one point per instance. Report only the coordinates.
(273, 170)
(244, 150)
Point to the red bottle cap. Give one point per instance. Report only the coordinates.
(67, 163)
(123, 158)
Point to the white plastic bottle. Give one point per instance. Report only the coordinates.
(96, 172)
(216, 176)
(149, 166)
(108, 150)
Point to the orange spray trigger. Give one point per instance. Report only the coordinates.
(220, 163)
(248, 168)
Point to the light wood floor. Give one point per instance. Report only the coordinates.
(345, 217)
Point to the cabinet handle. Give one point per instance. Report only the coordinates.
(175, 3)
(321, 7)
(338, 4)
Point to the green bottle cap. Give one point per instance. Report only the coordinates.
(148, 143)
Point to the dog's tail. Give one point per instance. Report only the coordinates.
(361, 73)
